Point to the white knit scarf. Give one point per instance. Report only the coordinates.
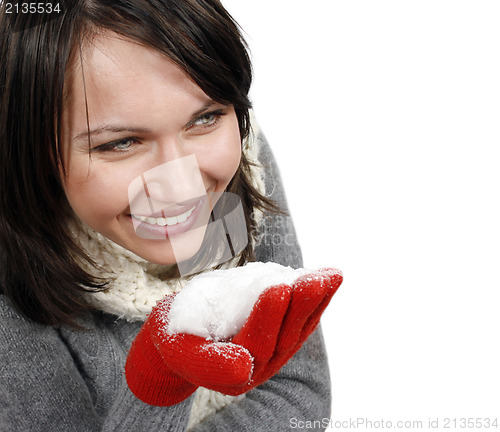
(136, 285)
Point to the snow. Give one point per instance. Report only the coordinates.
(216, 304)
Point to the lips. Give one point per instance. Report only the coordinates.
(171, 222)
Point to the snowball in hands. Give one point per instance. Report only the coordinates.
(216, 304)
(196, 339)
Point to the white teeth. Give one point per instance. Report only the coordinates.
(171, 220)
(174, 220)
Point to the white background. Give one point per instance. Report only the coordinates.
(385, 119)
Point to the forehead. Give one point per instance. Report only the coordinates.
(117, 79)
(110, 59)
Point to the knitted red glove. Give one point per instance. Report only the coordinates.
(280, 322)
(149, 378)
(152, 381)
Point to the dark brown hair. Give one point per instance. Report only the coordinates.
(39, 270)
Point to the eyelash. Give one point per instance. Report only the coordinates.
(112, 146)
(217, 114)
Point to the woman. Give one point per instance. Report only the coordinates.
(92, 99)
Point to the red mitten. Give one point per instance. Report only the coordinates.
(148, 377)
(279, 323)
(202, 361)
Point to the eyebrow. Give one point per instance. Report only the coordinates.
(110, 128)
(116, 128)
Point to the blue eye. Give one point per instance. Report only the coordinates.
(206, 119)
(123, 144)
(118, 145)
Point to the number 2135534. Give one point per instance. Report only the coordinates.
(32, 8)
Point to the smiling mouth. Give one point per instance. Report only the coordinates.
(166, 221)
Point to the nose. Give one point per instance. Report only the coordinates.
(174, 173)
(167, 185)
(168, 149)
(175, 181)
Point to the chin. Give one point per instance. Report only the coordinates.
(172, 251)
(155, 255)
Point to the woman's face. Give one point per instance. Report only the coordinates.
(154, 134)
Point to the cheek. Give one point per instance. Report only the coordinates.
(95, 194)
(222, 162)
(230, 160)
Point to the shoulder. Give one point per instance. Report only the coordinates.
(20, 336)
(11, 319)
